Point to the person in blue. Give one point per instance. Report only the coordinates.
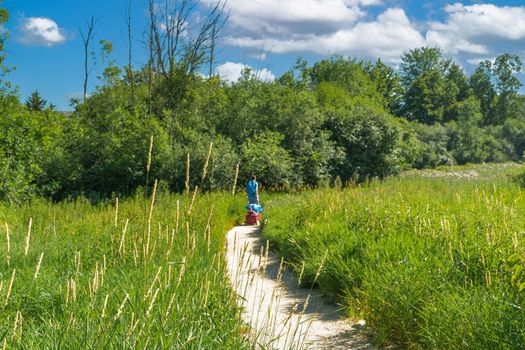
(252, 189)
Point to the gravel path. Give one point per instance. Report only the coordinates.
(282, 316)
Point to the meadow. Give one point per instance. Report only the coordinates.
(146, 273)
(431, 260)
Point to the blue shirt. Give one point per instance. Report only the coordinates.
(251, 188)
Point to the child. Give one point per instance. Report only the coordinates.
(252, 189)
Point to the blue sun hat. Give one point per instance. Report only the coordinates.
(255, 207)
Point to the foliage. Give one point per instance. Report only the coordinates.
(265, 157)
(99, 277)
(35, 102)
(415, 256)
(368, 139)
(339, 118)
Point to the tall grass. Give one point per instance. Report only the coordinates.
(73, 279)
(433, 263)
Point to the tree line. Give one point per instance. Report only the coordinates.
(336, 120)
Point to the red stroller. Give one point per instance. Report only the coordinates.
(252, 218)
(253, 213)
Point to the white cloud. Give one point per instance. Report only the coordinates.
(345, 27)
(476, 28)
(40, 31)
(262, 56)
(231, 72)
(371, 2)
(288, 17)
(478, 60)
(387, 37)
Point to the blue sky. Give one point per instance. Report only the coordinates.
(267, 35)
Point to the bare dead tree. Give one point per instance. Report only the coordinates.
(179, 48)
(131, 78)
(86, 40)
(217, 27)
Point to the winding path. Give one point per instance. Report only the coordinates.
(280, 315)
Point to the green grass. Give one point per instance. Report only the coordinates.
(177, 294)
(429, 262)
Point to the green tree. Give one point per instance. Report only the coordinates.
(346, 73)
(264, 156)
(388, 84)
(505, 69)
(432, 85)
(496, 86)
(35, 102)
(4, 85)
(368, 137)
(483, 88)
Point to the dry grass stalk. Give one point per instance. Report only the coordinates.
(267, 250)
(182, 270)
(187, 235)
(96, 280)
(152, 302)
(235, 179)
(187, 182)
(172, 300)
(150, 217)
(28, 236)
(177, 217)
(300, 275)
(148, 165)
(192, 201)
(133, 324)
(73, 287)
(318, 272)
(103, 313)
(10, 287)
(8, 242)
(206, 293)
(121, 308)
(205, 167)
(17, 326)
(135, 253)
(116, 212)
(37, 271)
(122, 245)
(148, 293)
(78, 262)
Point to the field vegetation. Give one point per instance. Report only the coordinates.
(137, 275)
(431, 262)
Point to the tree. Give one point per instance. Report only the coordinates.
(178, 50)
(505, 69)
(264, 156)
(483, 88)
(388, 84)
(368, 138)
(35, 102)
(86, 40)
(346, 73)
(129, 68)
(432, 85)
(496, 86)
(4, 17)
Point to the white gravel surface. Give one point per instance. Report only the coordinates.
(281, 315)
